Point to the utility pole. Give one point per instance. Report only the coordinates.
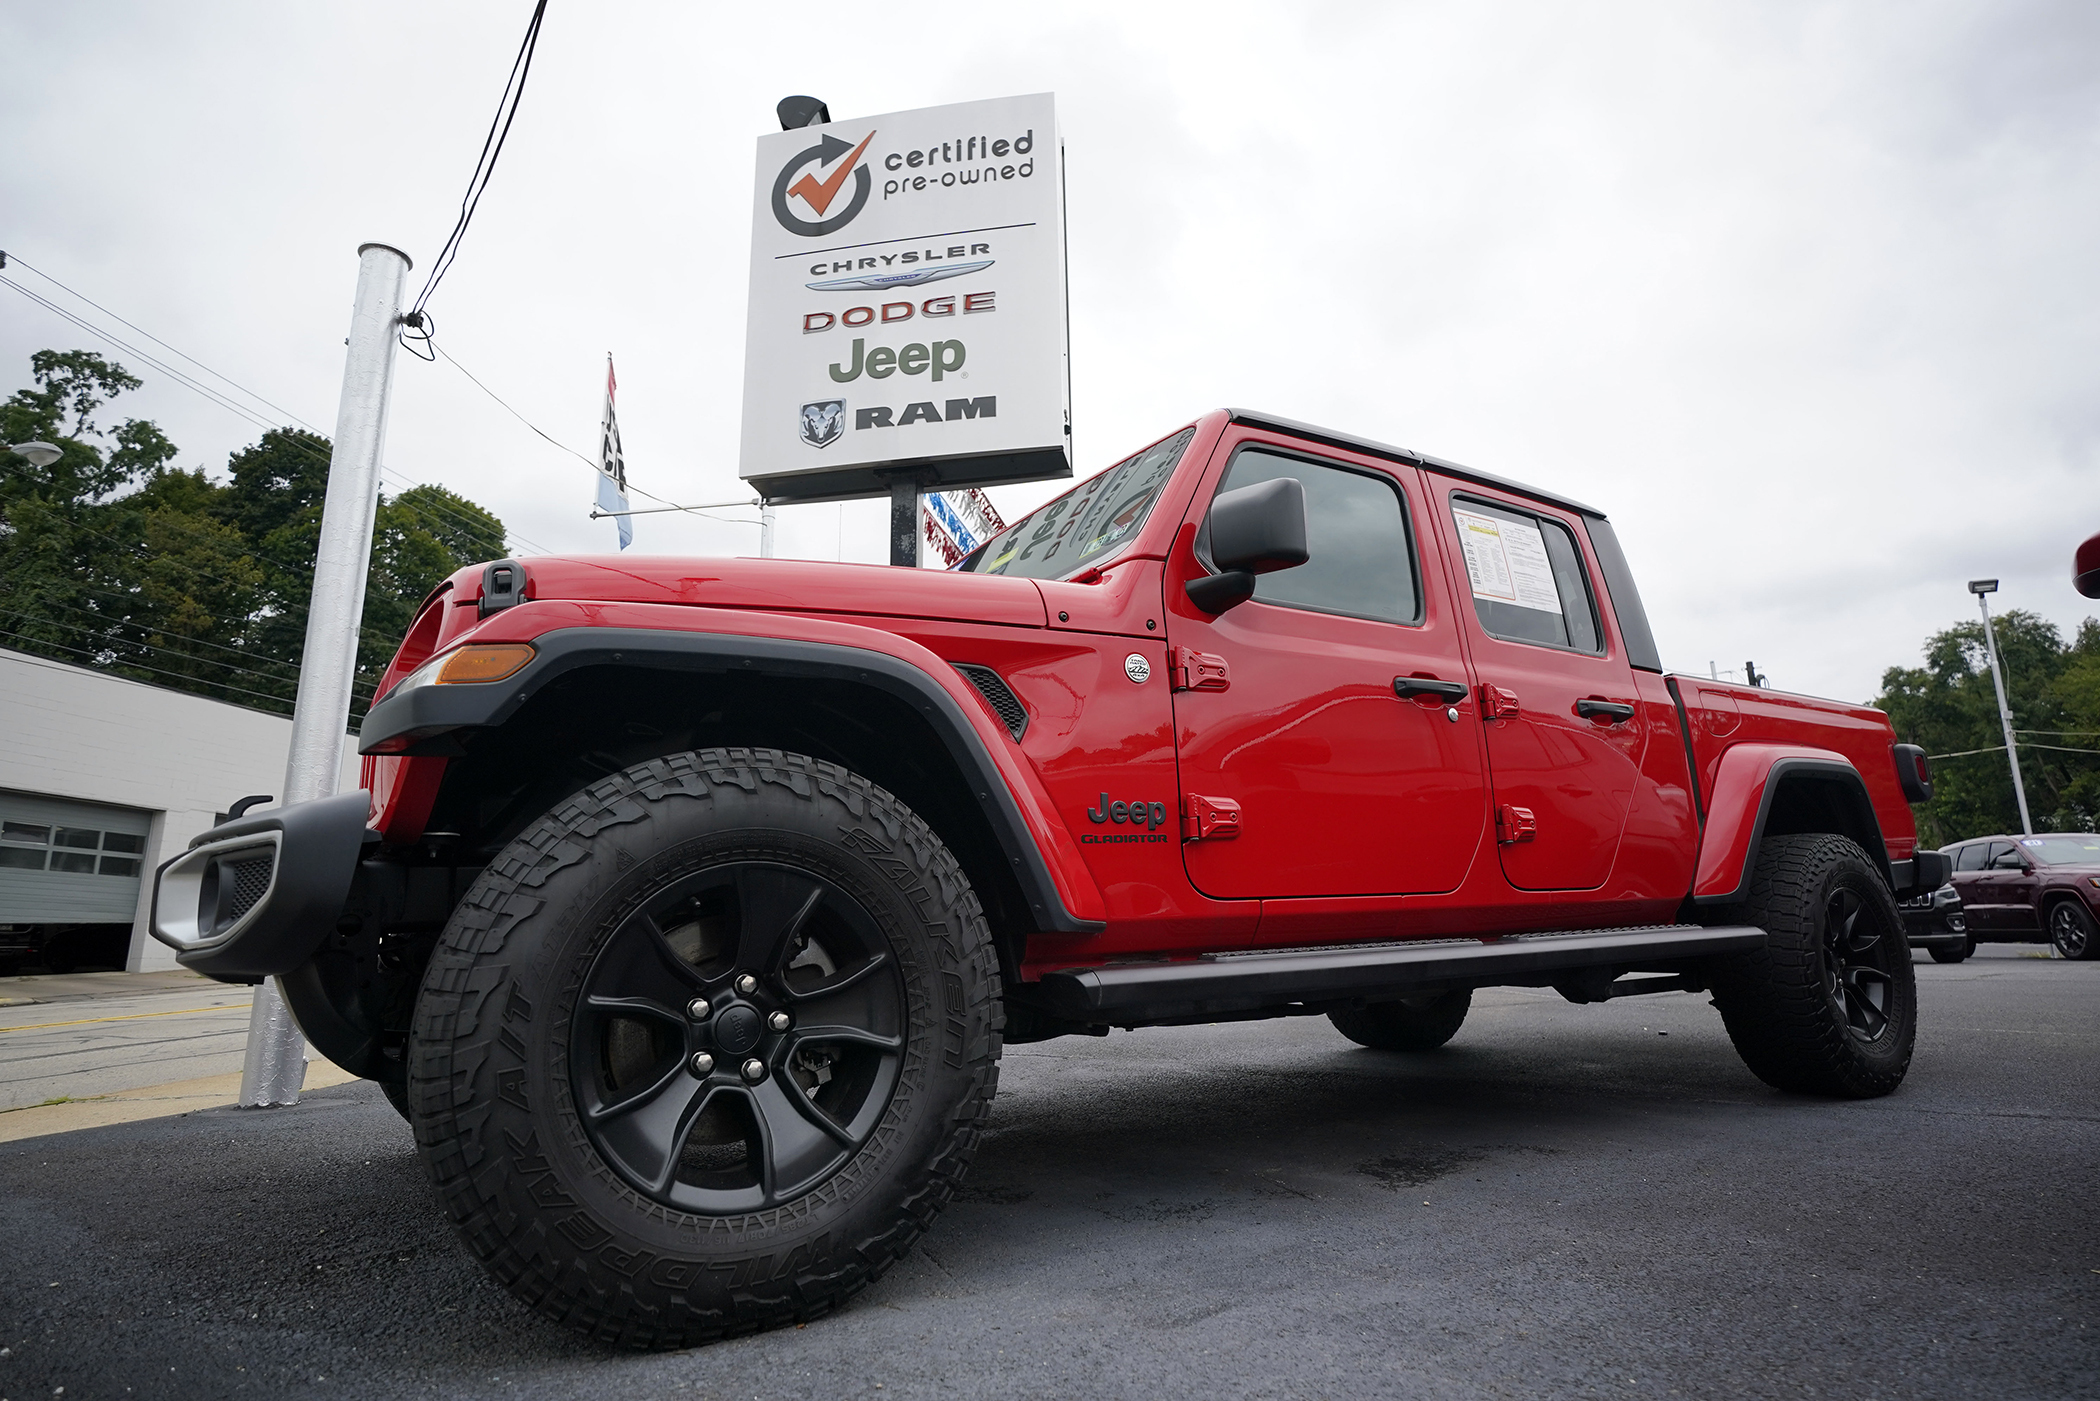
(1983, 589)
(765, 529)
(275, 1066)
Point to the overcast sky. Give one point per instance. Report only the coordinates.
(1802, 295)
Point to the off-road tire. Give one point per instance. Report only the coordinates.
(495, 1085)
(1411, 1024)
(1789, 1022)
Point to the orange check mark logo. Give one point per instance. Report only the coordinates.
(818, 194)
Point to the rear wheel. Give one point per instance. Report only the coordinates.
(2071, 930)
(705, 1049)
(1829, 1004)
(1411, 1024)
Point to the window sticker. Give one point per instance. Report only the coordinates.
(1506, 561)
(2028, 841)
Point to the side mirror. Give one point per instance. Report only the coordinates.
(1254, 530)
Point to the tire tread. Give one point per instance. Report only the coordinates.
(450, 1043)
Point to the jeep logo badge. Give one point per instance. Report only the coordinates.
(1137, 668)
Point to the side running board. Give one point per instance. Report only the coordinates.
(1227, 985)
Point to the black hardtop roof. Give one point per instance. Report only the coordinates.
(1255, 419)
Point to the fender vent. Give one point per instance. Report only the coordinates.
(997, 694)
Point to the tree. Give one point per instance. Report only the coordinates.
(1950, 706)
(110, 557)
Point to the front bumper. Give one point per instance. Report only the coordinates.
(253, 898)
(1935, 918)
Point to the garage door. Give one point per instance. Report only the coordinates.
(65, 862)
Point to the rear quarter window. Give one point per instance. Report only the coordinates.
(1527, 577)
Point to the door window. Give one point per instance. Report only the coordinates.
(2004, 858)
(1526, 576)
(1970, 857)
(1363, 559)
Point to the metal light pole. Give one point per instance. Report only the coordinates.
(275, 1066)
(1983, 588)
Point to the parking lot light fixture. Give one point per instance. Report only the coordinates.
(1983, 589)
(39, 454)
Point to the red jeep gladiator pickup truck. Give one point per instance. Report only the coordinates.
(689, 901)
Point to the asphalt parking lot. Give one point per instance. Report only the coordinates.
(1567, 1201)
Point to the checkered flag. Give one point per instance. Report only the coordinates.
(612, 463)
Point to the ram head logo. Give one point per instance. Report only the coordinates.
(823, 422)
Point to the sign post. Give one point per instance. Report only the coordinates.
(907, 316)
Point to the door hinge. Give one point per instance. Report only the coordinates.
(1498, 704)
(1514, 824)
(1191, 670)
(1209, 819)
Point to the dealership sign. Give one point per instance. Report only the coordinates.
(907, 315)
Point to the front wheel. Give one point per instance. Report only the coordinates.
(1829, 1005)
(705, 1049)
(1952, 953)
(2071, 930)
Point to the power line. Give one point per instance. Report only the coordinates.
(252, 655)
(2000, 749)
(141, 666)
(505, 406)
(263, 657)
(484, 165)
(288, 415)
(292, 610)
(242, 411)
(118, 643)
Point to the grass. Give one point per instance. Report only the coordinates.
(56, 1099)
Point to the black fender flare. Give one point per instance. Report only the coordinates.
(1856, 808)
(426, 716)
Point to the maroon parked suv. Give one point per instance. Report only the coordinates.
(2028, 889)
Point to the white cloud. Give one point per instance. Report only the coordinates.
(1801, 295)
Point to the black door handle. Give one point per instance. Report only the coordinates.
(1614, 711)
(1408, 687)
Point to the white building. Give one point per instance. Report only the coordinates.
(103, 779)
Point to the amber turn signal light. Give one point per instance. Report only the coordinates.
(487, 661)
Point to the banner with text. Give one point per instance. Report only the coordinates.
(907, 313)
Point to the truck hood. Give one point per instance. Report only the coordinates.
(782, 586)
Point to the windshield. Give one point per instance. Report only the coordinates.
(2062, 851)
(1084, 524)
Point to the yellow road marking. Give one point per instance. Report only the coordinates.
(128, 1017)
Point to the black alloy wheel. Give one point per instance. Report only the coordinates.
(706, 1047)
(1829, 1004)
(738, 1038)
(2071, 930)
(1856, 954)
